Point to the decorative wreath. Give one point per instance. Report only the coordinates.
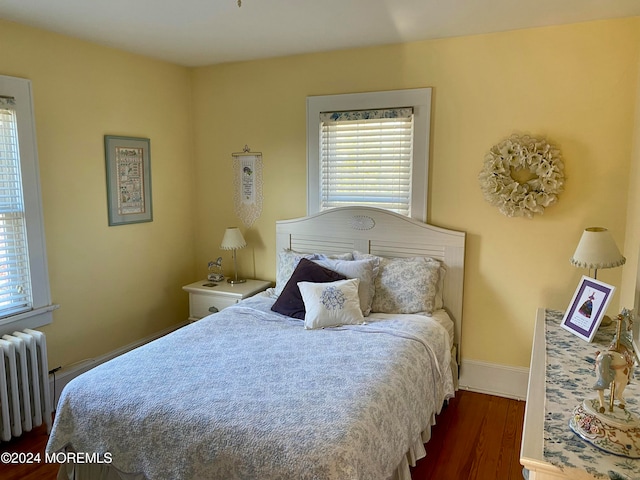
(522, 175)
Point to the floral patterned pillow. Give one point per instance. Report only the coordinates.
(287, 262)
(405, 285)
(331, 304)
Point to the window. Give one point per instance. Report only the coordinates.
(24, 283)
(369, 149)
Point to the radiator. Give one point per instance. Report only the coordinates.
(25, 399)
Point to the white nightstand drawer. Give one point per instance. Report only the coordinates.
(204, 295)
(200, 304)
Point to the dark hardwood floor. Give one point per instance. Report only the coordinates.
(477, 437)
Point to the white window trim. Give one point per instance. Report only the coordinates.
(41, 314)
(418, 98)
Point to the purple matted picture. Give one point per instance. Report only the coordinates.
(587, 308)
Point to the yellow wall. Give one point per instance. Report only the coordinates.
(577, 85)
(114, 285)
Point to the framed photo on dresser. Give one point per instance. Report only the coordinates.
(587, 307)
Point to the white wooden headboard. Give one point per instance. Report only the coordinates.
(384, 233)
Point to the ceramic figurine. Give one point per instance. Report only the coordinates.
(614, 367)
(215, 271)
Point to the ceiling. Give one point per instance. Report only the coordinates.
(206, 32)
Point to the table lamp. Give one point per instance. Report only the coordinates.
(233, 240)
(597, 249)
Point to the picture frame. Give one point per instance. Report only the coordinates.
(587, 308)
(128, 169)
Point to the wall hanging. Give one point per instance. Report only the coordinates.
(522, 176)
(247, 167)
(128, 163)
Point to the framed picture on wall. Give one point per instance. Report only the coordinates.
(587, 308)
(128, 163)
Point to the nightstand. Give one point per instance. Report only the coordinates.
(207, 297)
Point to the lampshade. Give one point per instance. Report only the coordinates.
(232, 239)
(597, 249)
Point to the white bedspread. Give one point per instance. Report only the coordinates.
(250, 394)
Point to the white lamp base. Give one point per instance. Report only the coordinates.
(616, 432)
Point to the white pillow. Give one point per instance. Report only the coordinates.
(331, 304)
(365, 270)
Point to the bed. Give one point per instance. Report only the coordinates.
(348, 390)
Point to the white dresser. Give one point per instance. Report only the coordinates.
(560, 378)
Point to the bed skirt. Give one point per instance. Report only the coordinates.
(75, 471)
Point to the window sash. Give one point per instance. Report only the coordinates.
(366, 159)
(15, 282)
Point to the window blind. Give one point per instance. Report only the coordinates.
(366, 159)
(15, 290)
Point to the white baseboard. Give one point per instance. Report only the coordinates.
(494, 379)
(66, 374)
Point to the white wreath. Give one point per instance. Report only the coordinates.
(522, 176)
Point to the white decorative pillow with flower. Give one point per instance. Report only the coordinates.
(406, 285)
(331, 304)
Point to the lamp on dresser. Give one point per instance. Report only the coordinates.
(596, 250)
(233, 240)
